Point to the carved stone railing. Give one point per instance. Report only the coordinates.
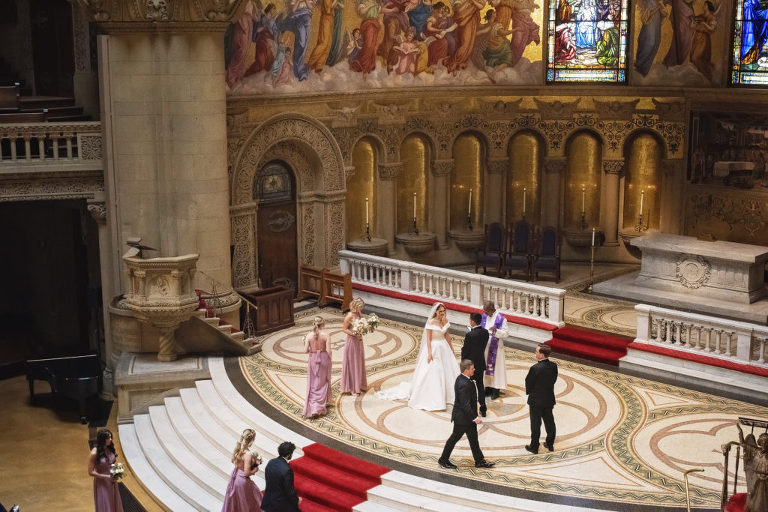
(516, 298)
(160, 293)
(716, 337)
(41, 146)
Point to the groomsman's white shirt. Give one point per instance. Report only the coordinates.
(499, 379)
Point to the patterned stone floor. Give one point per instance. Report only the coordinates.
(621, 440)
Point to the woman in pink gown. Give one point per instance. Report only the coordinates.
(106, 494)
(318, 344)
(353, 378)
(242, 494)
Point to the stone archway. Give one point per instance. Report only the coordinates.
(309, 148)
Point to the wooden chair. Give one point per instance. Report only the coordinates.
(493, 252)
(547, 257)
(518, 258)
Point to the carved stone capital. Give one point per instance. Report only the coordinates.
(389, 171)
(98, 211)
(498, 165)
(442, 167)
(613, 167)
(556, 165)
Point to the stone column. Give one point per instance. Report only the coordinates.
(552, 196)
(609, 210)
(439, 194)
(671, 215)
(163, 99)
(495, 192)
(386, 195)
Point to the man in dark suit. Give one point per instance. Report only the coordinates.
(540, 388)
(474, 350)
(465, 419)
(280, 495)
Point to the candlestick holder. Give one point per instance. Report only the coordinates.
(415, 230)
(640, 226)
(469, 222)
(591, 268)
(367, 232)
(583, 220)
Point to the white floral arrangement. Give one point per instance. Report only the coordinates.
(365, 325)
(255, 459)
(117, 471)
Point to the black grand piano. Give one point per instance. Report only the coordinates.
(76, 377)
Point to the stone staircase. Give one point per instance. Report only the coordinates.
(180, 451)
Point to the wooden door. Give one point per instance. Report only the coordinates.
(277, 247)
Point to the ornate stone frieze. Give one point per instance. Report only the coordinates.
(389, 171)
(90, 147)
(162, 11)
(442, 167)
(498, 165)
(335, 232)
(693, 271)
(615, 109)
(613, 166)
(556, 109)
(501, 108)
(41, 186)
(342, 114)
(391, 113)
(309, 234)
(98, 211)
(244, 256)
(669, 108)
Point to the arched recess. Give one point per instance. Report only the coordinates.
(415, 154)
(362, 199)
(526, 160)
(583, 177)
(468, 176)
(307, 147)
(643, 153)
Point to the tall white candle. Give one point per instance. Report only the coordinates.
(583, 198)
(593, 237)
(469, 206)
(642, 196)
(414, 206)
(366, 210)
(525, 190)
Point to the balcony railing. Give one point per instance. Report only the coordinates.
(27, 147)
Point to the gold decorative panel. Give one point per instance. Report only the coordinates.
(467, 182)
(582, 180)
(525, 163)
(411, 184)
(359, 188)
(642, 182)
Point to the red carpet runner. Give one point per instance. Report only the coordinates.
(329, 480)
(587, 344)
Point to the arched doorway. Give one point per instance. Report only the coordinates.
(277, 257)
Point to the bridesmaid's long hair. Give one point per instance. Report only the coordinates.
(356, 302)
(102, 450)
(245, 442)
(317, 324)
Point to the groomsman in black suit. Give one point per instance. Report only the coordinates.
(474, 350)
(465, 419)
(280, 494)
(540, 388)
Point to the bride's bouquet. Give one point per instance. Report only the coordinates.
(117, 470)
(365, 325)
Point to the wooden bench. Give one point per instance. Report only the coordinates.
(24, 117)
(325, 285)
(9, 98)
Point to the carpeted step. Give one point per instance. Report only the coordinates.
(589, 337)
(340, 479)
(591, 352)
(323, 493)
(346, 462)
(308, 505)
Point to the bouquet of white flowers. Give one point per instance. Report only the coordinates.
(365, 325)
(117, 470)
(255, 460)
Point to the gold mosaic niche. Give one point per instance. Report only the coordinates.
(468, 171)
(359, 187)
(585, 159)
(642, 175)
(525, 164)
(415, 155)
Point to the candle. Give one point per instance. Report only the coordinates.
(366, 210)
(524, 194)
(593, 237)
(414, 206)
(642, 196)
(469, 206)
(583, 197)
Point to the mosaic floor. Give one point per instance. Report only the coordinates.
(620, 439)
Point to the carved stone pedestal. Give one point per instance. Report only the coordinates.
(416, 244)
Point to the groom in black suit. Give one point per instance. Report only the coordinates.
(465, 419)
(540, 388)
(474, 350)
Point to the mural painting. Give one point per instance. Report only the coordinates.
(674, 44)
(317, 45)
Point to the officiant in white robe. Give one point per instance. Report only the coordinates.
(495, 378)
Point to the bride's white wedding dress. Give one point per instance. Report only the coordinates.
(431, 387)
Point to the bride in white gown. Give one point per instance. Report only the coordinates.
(431, 386)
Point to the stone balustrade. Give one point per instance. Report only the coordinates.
(517, 298)
(26, 145)
(689, 332)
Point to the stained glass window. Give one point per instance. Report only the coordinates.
(750, 53)
(587, 41)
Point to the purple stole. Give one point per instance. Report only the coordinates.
(493, 344)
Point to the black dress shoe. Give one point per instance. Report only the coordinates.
(482, 413)
(532, 450)
(446, 464)
(549, 446)
(484, 464)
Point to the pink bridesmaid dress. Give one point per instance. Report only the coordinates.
(242, 494)
(318, 377)
(353, 379)
(106, 493)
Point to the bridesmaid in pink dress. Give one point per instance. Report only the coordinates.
(318, 345)
(353, 378)
(242, 494)
(106, 494)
